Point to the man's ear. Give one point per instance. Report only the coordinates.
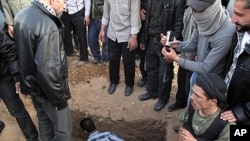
(213, 101)
(51, 2)
(86, 132)
(48, 2)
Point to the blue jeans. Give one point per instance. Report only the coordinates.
(16, 108)
(192, 81)
(93, 40)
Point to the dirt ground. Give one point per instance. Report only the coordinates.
(130, 118)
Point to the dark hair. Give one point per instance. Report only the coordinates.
(87, 124)
(247, 4)
(214, 87)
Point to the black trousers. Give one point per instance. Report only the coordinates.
(160, 73)
(183, 82)
(16, 108)
(142, 54)
(75, 21)
(115, 51)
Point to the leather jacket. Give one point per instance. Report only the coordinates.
(96, 9)
(43, 63)
(238, 96)
(171, 18)
(8, 57)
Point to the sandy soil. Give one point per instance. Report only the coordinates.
(130, 118)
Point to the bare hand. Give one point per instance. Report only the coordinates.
(10, 31)
(18, 89)
(185, 135)
(163, 39)
(17, 85)
(169, 53)
(142, 46)
(175, 44)
(86, 21)
(143, 14)
(132, 43)
(102, 34)
(169, 60)
(229, 116)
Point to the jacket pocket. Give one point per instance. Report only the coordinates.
(31, 86)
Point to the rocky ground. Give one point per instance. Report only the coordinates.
(130, 118)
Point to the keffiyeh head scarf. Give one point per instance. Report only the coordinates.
(210, 20)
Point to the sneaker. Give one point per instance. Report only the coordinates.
(80, 63)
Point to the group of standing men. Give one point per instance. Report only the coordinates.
(235, 53)
(213, 35)
(213, 41)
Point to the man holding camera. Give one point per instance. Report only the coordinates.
(160, 73)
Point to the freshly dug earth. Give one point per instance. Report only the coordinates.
(128, 117)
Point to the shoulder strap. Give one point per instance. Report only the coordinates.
(188, 125)
(214, 130)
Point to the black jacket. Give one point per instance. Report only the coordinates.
(171, 18)
(43, 63)
(238, 96)
(8, 57)
(96, 9)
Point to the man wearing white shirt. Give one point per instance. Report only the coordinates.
(123, 20)
(77, 16)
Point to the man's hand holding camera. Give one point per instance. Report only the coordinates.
(168, 49)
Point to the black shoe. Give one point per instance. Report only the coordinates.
(128, 90)
(112, 88)
(159, 105)
(174, 107)
(147, 96)
(141, 83)
(176, 128)
(2, 125)
(71, 54)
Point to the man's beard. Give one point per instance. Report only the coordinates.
(243, 28)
